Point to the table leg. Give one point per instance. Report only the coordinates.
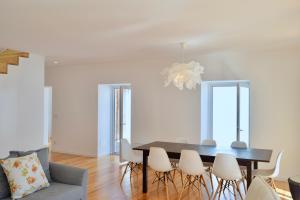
(255, 164)
(145, 164)
(249, 174)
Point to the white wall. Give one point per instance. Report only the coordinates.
(275, 97)
(160, 113)
(47, 114)
(21, 105)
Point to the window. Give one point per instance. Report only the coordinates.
(225, 111)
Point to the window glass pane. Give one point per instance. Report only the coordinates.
(224, 115)
(127, 114)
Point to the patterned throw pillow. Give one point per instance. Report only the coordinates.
(25, 175)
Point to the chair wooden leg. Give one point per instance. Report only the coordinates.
(234, 191)
(273, 184)
(244, 185)
(130, 173)
(183, 188)
(244, 180)
(171, 178)
(174, 173)
(211, 181)
(124, 173)
(216, 192)
(166, 184)
(227, 183)
(199, 187)
(238, 189)
(205, 186)
(221, 188)
(158, 181)
(181, 177)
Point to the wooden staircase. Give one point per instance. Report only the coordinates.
(10, 57)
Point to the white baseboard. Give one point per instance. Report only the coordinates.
(73, 153)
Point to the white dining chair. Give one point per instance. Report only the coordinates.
(227, 169)
(208, 165)
(191, 164)
(209, 142)
(159, 161)
(270, 174)
(134, 158)
(175, 161)
(260, 190)
(241, 145)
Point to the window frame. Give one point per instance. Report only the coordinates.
(209, 90)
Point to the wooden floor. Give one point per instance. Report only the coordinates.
(105, 174)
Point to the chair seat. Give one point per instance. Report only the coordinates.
(263, 172)
(56, 191)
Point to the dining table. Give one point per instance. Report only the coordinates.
(248, 157)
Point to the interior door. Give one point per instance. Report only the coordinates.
(125, 115)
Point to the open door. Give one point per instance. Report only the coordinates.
(121, 118)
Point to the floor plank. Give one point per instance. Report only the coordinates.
(105, 174)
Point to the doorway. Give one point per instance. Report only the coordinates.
(114, 117)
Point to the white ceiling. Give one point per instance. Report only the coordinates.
(93, 31)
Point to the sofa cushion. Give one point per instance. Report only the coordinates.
(43, 155)
(4, 187)
(57, 191)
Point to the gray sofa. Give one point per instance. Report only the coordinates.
(66, 183)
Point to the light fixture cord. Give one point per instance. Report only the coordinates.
(182, 44)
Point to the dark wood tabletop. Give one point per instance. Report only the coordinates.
(246, 157)
(260, 155)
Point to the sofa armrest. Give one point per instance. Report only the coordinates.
(68, 174)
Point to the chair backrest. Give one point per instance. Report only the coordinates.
(209, 142)
(158, 159)
(125, 149)
(226, 167)
(190, 163)
(259, 189)
(239, 145)
(181, 140)
(277, 165)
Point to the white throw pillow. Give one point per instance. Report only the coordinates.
(25, 175)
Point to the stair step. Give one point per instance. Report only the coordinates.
(11, 60)
(14, 52)
(10, 57)
(3, 68)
